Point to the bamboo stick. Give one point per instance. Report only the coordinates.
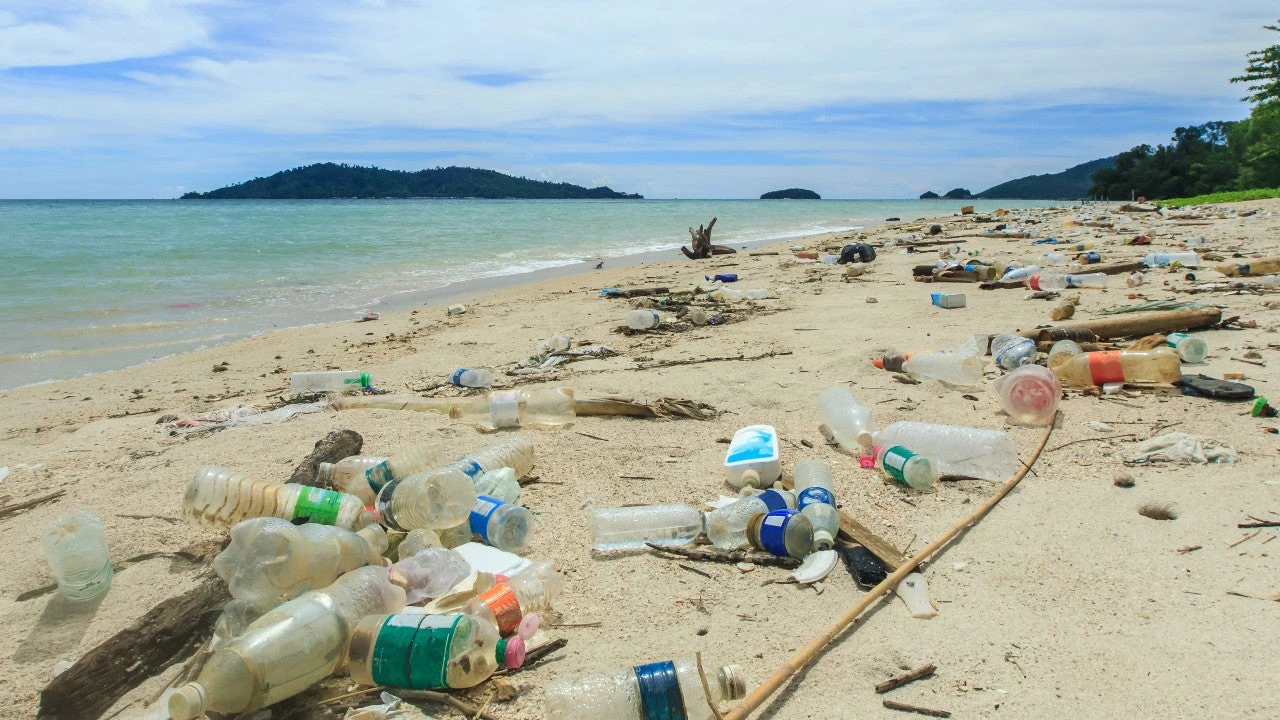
(1142, 323)
(806, 654)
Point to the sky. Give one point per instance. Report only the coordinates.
(709, 99)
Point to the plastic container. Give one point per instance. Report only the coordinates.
(306, 383)
(412, 651)
(1042, 281)
(1020, 273)
(75, 546)
(556, 343)
(1011, 351)
(463, 377)
(697, 316)
(350, 475)
(954, 450)
(630, 528)
(915, 471)
(1029, 394)
(502, 525)
(723, 277)
(848, 420)
(1061, 351)
(816, 499)
(544, 407)
(892, 363)
(1185, 259)
(219, 497)
(1189, 347)
(1161, 365)
(1269, 281)
(515, 452)
(506, 604)
(429, 573)
(643, 319)
(727, 526)
(501, 484)
(726, 295)
(670, 690)
(435, 500)
(786, 533)
(1055, 259)
(951, 368)
(753, 458)
(287, 650)
(1264, 266)
(420, 539)
(411, 460)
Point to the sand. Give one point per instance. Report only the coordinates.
(1063, 601)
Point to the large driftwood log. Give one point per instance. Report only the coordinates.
(331, 448)
(1139, 324)
(702, 247)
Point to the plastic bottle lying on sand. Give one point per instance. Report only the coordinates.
(416, 458)
(848, 420)
(1044, 281)
(287, 650)
(892, 363)
(955, 450)
(429, 573)
(1186, 259)
(786, 533)
(1269, 281)
(1011, 351)
(435, 499)
(515, 452)
(643, 319)
(465, 377)
(951, 368)
(1264, 266)
(75, 546)
(656, 690)
(1061, 351)
(727, 526)
(1189, 347)
(502, 525)
(500, 484)
(1029, 394)
(1161, 365)
(350, 475)
(1020, 273)
(219, 497)
(629, 528)
(544, 407)
(753, 459)
(555, 343)
(413, 651)
(915, 471)
(506, 604)
(304, 383)
(816, 499)
(420, 539)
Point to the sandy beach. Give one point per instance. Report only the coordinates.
(1064, 601)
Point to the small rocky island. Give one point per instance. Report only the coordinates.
(791, 194)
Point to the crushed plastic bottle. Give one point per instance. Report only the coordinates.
(306, 383)
(727, 526)
(630, 528)
(436, 499)
(815, 497)
(753, 459)
(848, 420)
(1029, 394)
(915, 471)
(414, 651)
(465, 377)
(429, 573)
(786, 533)
(1043, 281)
(505, 605)
(1061, 351)
(951, 368)
(1020, 273)
(500, 484)
(556, 343)
(956, 451)
(350, 475)
(502, 525)
(670, 690)
(75, 546)
(1161, 365)
(1189, 347)
(420, 539)
(515, 452)
(219, 497)
(1012, 351)
(287, 650)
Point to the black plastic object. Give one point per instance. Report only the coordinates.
(1214, 388)
(866, 569)
(857, 252)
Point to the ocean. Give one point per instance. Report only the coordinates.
(94, 285)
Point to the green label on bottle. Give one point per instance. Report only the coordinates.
(895, 459)
(318, 505)
(412, 651)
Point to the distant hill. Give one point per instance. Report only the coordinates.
(791, 194)
(929, 195)
(957, 194)
(325, 181)
(1070, 184)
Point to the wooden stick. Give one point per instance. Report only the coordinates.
(446, 699)
(923, 671)
(706, 688)
(1272, 523)
(15, 507)
(895, 705)
(728, 556)
(806, 654)
(1142, 323)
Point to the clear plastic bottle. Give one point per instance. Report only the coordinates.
(726, 295)
(815, 497)
(464, 377)
(915, 471)
(1189, 347)
(892, 363)
(1270, 281)
(1161, 365)
(951, 368)
(556, 343)
(459, 534)
(420, 539)
(1264, 266)
(504, 605)
(515, 452)
(954, 450)
(502, 525)
(1089, 258)
(435, 499)
(75, 546)
(629, 528)
(544, 407)
(848, 420)
(413, 651)
(727, 526)
(1055, 259)
(219, 497)
(417, 458)
(656, 690)
(786, 533)
(305, 383)
(1029, 394)
(697, 316)
(1020, 273)
(1061, 351)
(1011, 351)
(429, 573)
(1186, 259)
(287, 650)
(1042, 281)
(350, 475)
(643, 319)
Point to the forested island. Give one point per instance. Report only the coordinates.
(330, 181)
(791, 194)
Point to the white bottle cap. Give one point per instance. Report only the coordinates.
(187, 702)
(822, 540)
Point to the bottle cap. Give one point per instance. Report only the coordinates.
(511, 652)
(822, 540)
(187, 702)
(366, 379)
(749, 477)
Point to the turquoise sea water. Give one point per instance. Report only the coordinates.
(95, 285)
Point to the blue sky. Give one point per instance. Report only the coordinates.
(853, 99)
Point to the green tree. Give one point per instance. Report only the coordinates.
(1263, 72)
(1256, 141)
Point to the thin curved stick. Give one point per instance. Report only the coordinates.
(706, 689)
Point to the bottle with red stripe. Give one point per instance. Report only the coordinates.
(508, 605)
(1046, 281)
(1160, 365)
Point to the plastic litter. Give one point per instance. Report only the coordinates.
(957, 451)
(914, 592)
(670, 689)
(1181, 448)
(1029, 394)
(306, 383)
(75, 546)
(753, 457)
(727, 526)
(630, 528)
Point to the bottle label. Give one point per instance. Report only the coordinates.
(484, 509)
(470, 468)
(378, 475)
(1073, 281)
(456, 377)
(773, 532)
(1033, 282)
(1104, 367)
(412, 651)
(660, 691)
(1013, 347)
(895, 462)
(773, 500)
(318, 505)
(750, 444)
(505, 606)
(504, 408)
(383, 505)
(812, 495)
(1174, 338)
(1091, 257)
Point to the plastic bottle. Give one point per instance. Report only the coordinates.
(726, 295)
(1189, 347)
(643, 319)
(955, 450)
(1011, 351)
(556, 343)
(892, 363)
(1264, 266)
(1061, 351)
(502, 525)
(75, 546)
(457, 535)
(629, 528)
(915, 471)
(1020, 273)
(1076, 247)
(753, 458)
(698, 316)
(656, 690)
(429, 573)
(1041, 281)
(785, 533)
(506, 604)
(848, 420)
(515, 452)
(1029, 394)
(1269, 281)
(544, 407)
(350, 475)
(727, 526)
(757, 293)
(1055, 259)
(411, 460)
(500, 484)
(305, 383)
(219, 497)
(1186, 259)
(463, 377)
(1089, 258)
(420, 539)
(1161, 365)
(287, 650)
(816, 499)
(414, 651)
(435, 499)
(952, 368)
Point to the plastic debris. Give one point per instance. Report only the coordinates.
(1181, 448)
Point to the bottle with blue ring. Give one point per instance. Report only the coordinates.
(786, 533)
(668, 690)
(501, 524)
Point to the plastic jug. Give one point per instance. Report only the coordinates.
(753, 458)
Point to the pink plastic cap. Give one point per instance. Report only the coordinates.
(514, 656)
(529, 625)
(869, 461)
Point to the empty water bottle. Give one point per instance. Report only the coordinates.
(555, 343)
(1020, 273)
(727, 526)
(1189, 347)
(954, 450)
(643, 319)
(515, 452)
(414, 651)
(913, 470)
(350, 475)
(630, 528)
(1186, 259)
(305, 383)
(411, 460)
(644, 692)
(502, 525)
(219, 497)
(1161, 365)
(1044, 281)
(1055, 259)
(951, 368)
(500, 484)
(815, 497)
(1011, 351)
(75, 547)
(420, 539)
(506, 604)
(544, 407)
(892, 363)
(464, 377)
(785, 533)
(429, 573)
(848, 420)
(1029, 394)
(287, 650)
(1264, 266)
(435, 499)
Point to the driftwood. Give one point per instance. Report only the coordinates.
(634, 292)
(702, 247)
(923, 671)
(331, 448)
(727, 556)
(1138, 324)
(167, 633)
(895, 705)
(12, 508)
(1118, 268)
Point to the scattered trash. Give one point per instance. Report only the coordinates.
(4, 473)
(369, 316)
(309, 383)
(816, 567)
(815, 498)
(1161, 365)
(1181, 448)
(948, 299)
(785, 533)
(957, 451)
(856, 253)
(1206, 386)
(914, 592)
(457, 309)
(628, 694)
(463, 377)
(1261, 408)
(634, 528)
(1029, 394)
(863, 565)
(753, 458)
(75, 546)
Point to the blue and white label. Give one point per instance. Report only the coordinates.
(456, 377)
(484, 509)
(811, 495)
(773, 500)
(660, 696)
(751, 444)
(470, 468)
(773, 531)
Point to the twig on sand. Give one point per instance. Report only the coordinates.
(895, 705)
(923, 671)
(463, 707)
(728, 556)
(8, 510)
(1092, 439)
(722, 358)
